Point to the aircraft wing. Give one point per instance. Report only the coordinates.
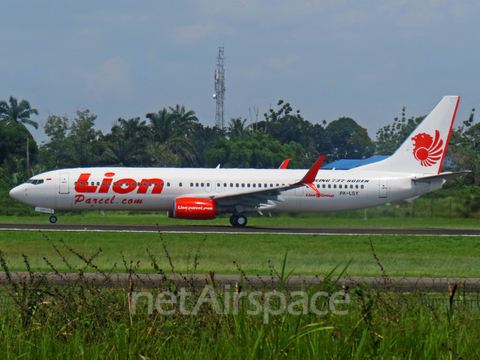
(444, 175)
(263, 199)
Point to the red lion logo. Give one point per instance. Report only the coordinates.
(426, 150)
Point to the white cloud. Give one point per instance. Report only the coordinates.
(199, 32)
(283, 64)
(262, 9)
(428, 13)
(110, 78)
(123, 18)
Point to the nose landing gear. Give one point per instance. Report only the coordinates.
(53, 219)
(238, 220)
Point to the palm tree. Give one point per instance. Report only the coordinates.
(184, 122)
(236, 129)
(161, 125)
(16, 113)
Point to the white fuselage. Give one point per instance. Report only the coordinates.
(155, 189)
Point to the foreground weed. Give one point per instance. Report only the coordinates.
(58, 315)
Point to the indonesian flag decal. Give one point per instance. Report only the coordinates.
(427, 150)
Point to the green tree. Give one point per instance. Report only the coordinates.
(184, 122)
(286, 126)
(464, 151)
(258, 150)
(349, 140)
(161, 124)
(236, 129)
(204, 139)
(82, 145)
(172, 140)
(128, 140)
(390, 137)
(13, 144)
(17, 113)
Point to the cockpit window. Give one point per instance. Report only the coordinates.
(34, 181)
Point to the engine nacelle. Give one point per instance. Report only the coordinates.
(193, 208)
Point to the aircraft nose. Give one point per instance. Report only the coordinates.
(17, 192)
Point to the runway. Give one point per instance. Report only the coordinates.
(221, 229)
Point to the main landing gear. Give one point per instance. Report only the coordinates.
(238, 220)
(53, 219)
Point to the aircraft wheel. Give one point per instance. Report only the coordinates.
(53, 219)
(232, 220)
(241, 220)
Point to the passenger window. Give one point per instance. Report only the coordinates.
(248, 185)
(351, 186)
(254, 185)
(196, 184)
(237, 184)
(277, 184)
(138, 184)
(335, 186)
(339, 186)
(224, 184)
(356, 186)
(361, 186)
(243, 185)
(191, 184)
(318, 186)
(92, 183)
(259, 185)
(202, 184)
(74, 183)
(114, 183)
(271, 185)
(109, 183)
(168, 184)
(98, 183)
(180, 184)
(329, 186)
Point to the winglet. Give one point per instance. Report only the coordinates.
(284, 164)
(309, 178)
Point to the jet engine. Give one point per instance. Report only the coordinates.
(193, 208)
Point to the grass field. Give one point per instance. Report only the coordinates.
(401, 255)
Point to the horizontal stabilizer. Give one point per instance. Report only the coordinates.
(444, 175)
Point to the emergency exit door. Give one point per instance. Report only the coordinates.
(63, 183)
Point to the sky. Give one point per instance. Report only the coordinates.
(361, 59)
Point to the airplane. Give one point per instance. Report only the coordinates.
(199, 193)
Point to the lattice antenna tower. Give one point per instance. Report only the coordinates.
(220, 87)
